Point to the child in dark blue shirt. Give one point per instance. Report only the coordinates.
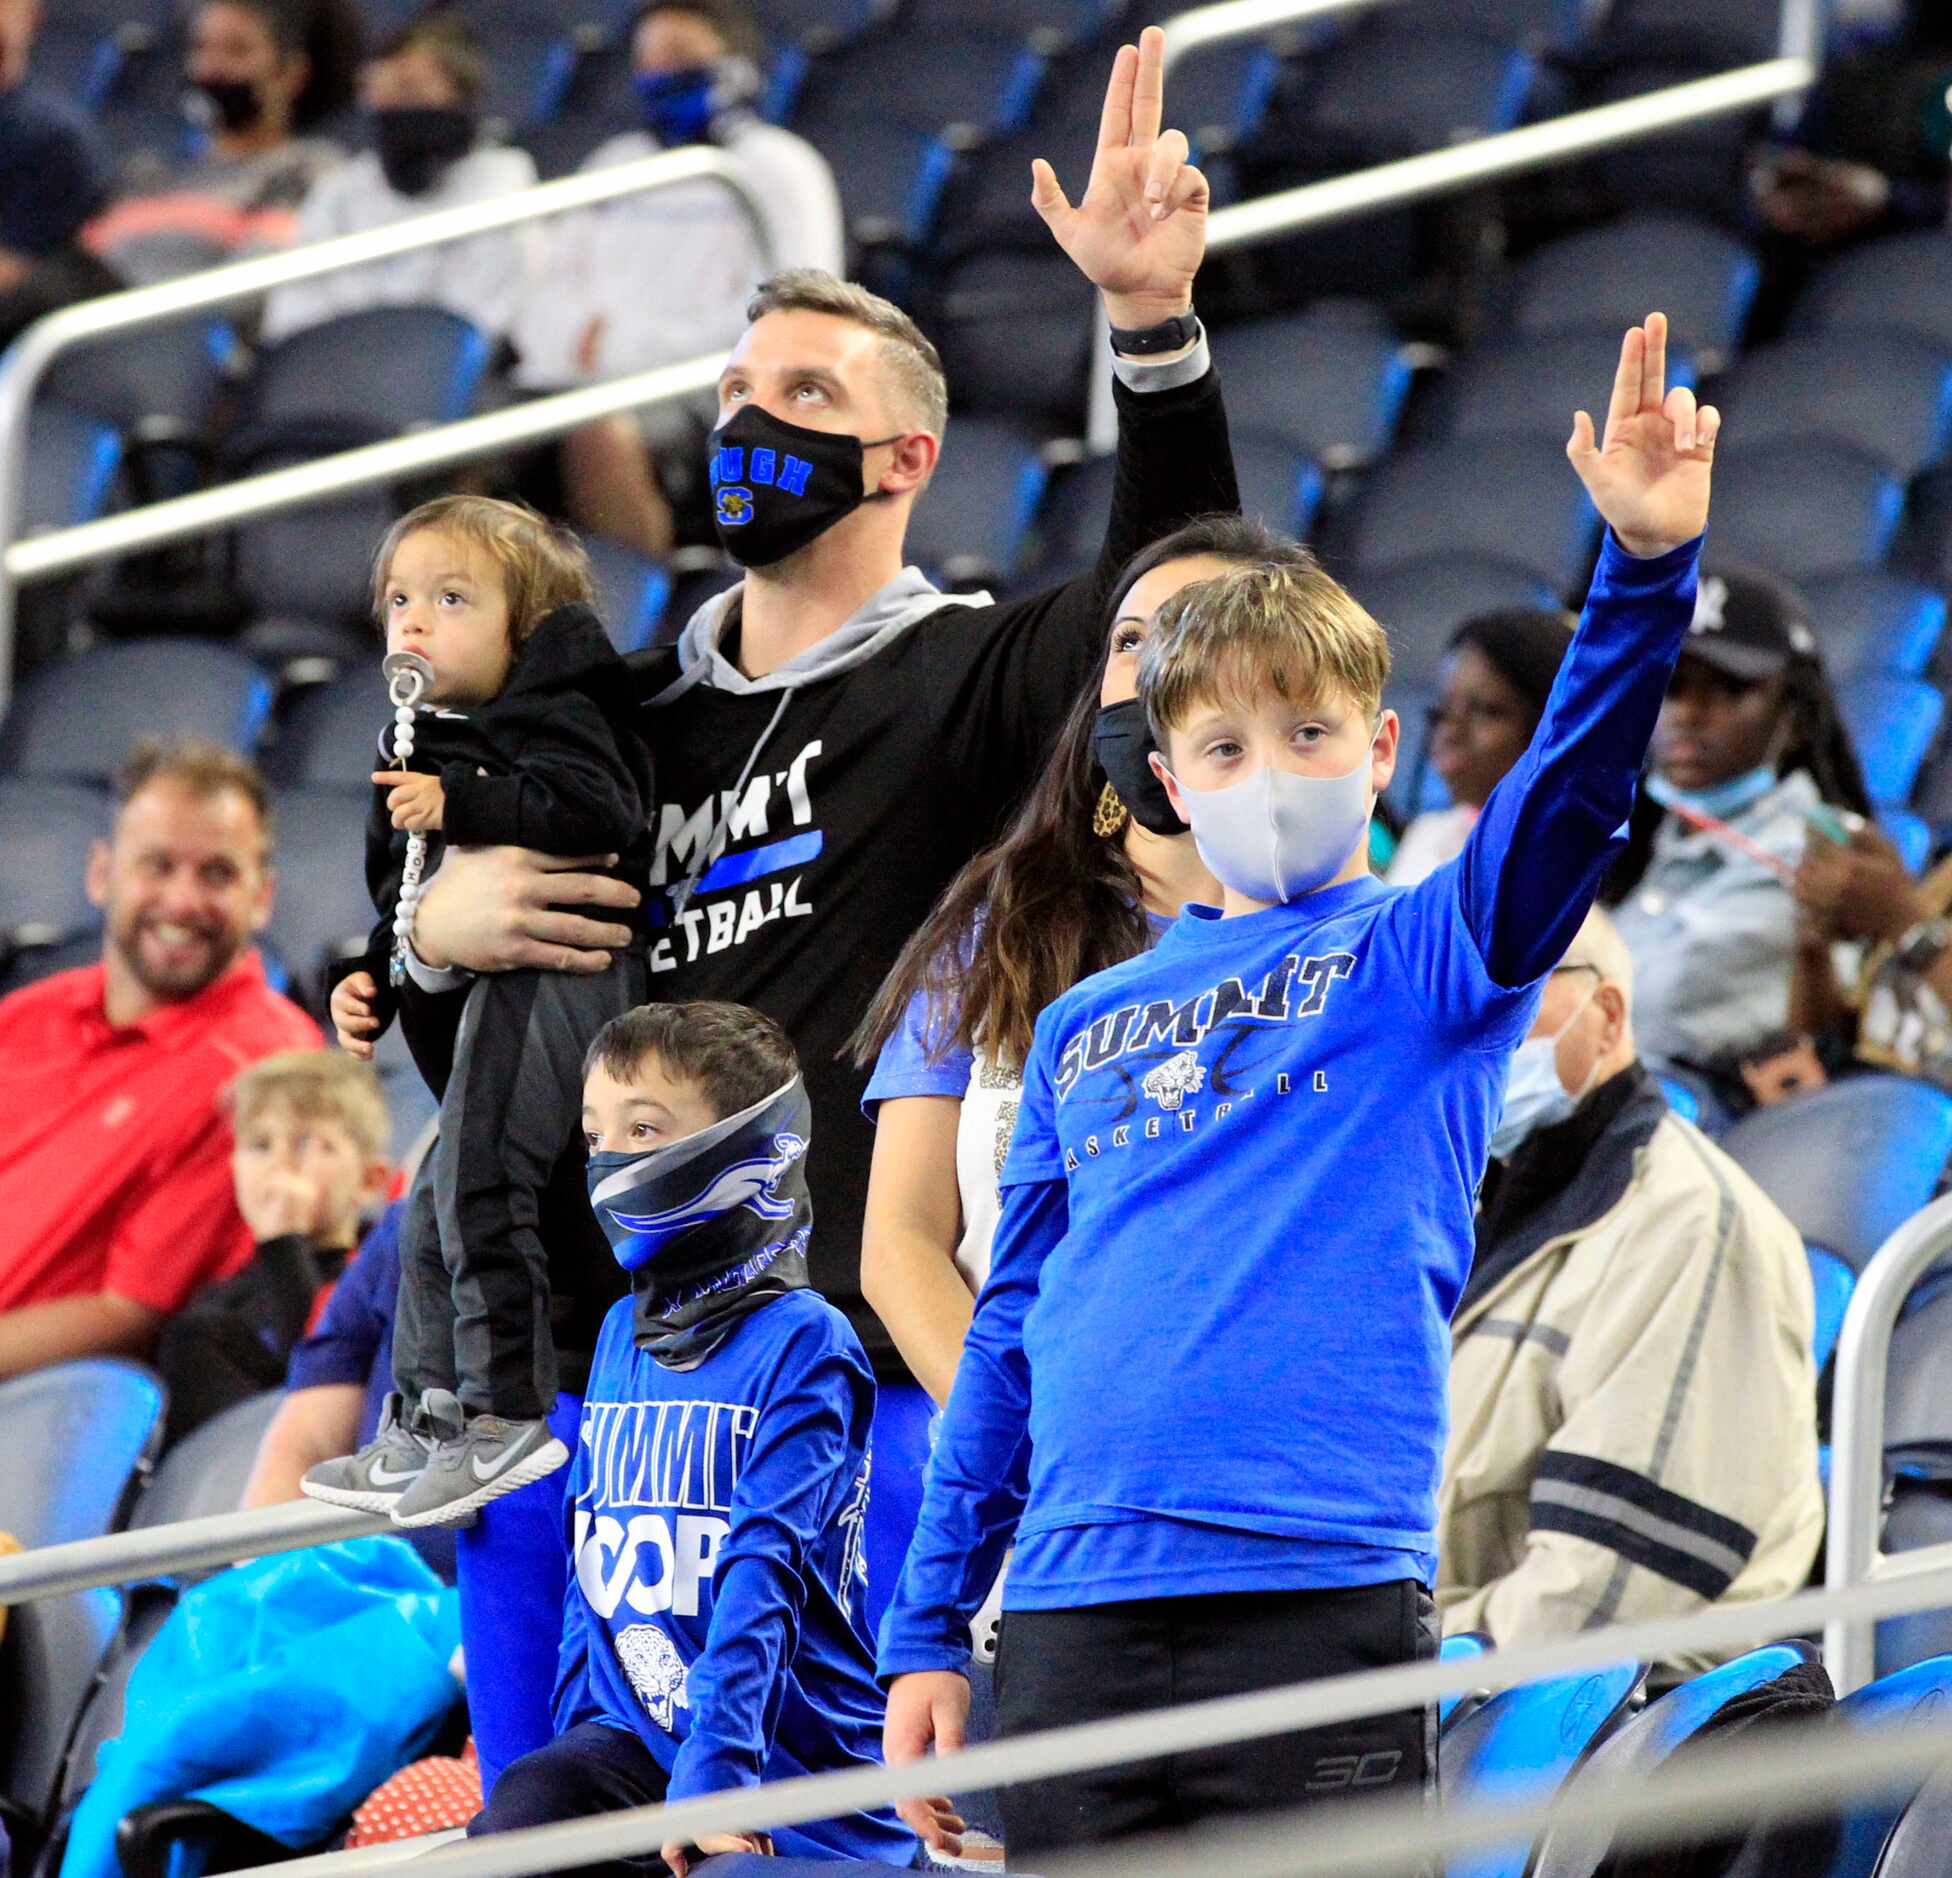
(1205, 1386)
(712, 1631)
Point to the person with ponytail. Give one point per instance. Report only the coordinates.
(1096, 864)
(1751, 753)
(1498, 669)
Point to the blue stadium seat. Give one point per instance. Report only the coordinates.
(103, 1418)
(891, 176)
(924, 81)
(305, 573)
(207, 1471)
(46, 829)
(379, 371)
(1648, 1740)
(1702, 170)
(1732, 32)
(1530, 387)
(1331, 380)
(71, 464)
(321, 913)
(631, 592)
(1015, 325)
(1894, 723)
(331, 739)
(1539, 25)
(1070, 526)
(970, 523)
(1916, 1847)
(1887, 393)
(53, 1651)
(81, 717)
(1917, 1514)
(1868, 620)
(1923, 1690)
(1832, 1281)
(1522, 1744)
(1278, 485)
(1903, 283)
(1804, 508)
(1461, 1648)
(1523, 506)
(1849, 1163)
(1610, 277)
(1917, 1409)
(1423, 601)
(533, 59)
(101, 1716)
(157, 387)
(1220, 94)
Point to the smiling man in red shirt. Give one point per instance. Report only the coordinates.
(115, 1187)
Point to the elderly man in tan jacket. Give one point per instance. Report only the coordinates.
(1633, 1401)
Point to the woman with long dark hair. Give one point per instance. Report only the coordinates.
(1750, 754)
(1095, 865)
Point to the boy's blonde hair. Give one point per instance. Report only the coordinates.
(1289, 628)
(315, 1086)
(542, 566)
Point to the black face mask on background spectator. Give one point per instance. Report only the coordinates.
(418, 144)
(228, 104)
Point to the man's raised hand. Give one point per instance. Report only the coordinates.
(1649, 475)
(1139, 232)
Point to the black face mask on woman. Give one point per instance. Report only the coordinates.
(226, 104)
(777, 486)
(418, 144)
(1121, 740)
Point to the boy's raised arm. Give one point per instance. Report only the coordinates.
(1534, 861)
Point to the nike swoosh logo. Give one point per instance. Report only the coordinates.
(495, 1467)
(381, 1475)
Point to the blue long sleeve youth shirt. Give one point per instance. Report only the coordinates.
(1212, 1351)
(714, 1599)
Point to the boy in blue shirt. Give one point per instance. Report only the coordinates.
(1205, 1386)
(712, 1632)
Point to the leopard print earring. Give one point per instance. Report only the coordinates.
(1110, 816)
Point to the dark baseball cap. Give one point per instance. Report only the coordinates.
(1748, 623)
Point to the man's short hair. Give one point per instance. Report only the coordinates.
(914, 366)
(199, 766)
(1598, 944)
(1291, 629)
(542, 566)
(315, 1086)
(450, 42)
(733, 22)
(733, 1055)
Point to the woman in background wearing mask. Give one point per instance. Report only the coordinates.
(422, 95)
(1498, 669)
(654, 279)
(1749, 755)
(261, 77)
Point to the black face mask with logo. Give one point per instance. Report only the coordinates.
(1121, 740)
(418, 144)
(777, 486)
(226, 104)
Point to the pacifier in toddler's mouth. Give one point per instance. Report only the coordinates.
(409, 676)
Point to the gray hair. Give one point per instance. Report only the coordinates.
(915, 376)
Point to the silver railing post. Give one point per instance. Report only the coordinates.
(26, 362)
(1854, 1555)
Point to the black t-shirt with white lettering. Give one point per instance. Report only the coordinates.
(874, 788)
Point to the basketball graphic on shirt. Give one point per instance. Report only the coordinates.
(655, 1669)
(1174, 1080)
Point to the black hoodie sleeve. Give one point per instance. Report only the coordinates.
(1017, 668)
(568, 790)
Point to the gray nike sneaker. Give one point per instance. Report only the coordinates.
(374, 1479)
(474, 1459)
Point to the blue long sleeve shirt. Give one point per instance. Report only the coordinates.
(714, 1598)
(1212, 1351)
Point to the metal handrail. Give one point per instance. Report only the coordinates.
(1855, 1555)
(26, 362)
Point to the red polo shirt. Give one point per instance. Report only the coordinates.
(114, 1152)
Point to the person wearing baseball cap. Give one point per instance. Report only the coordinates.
(1750, 750)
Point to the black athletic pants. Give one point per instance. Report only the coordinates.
(591, 1769)
(473, 1311)
(1055, 1667)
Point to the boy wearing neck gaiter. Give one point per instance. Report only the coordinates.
(1205, 1386)
(712, 1634)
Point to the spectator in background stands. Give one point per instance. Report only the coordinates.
(54, 174)
(1632, 1395)
(263, 75)
(1749, 751)
(1887, 1000)
(309, 1167)
(1497, 672)
(664, 277)
(422, 95)
(115, 1178)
